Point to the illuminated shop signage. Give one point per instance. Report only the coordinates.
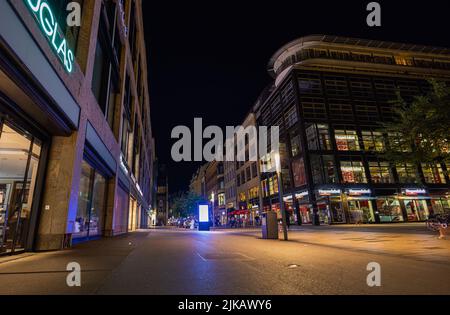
(358, 192)
(301, 195)
(414, 191)
(46, 19)
(329, 192)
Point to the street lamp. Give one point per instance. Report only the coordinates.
(280, 194)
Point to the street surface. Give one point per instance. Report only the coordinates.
(316, 260)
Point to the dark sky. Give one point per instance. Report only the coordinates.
(208, 58)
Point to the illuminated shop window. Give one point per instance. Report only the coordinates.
(380, 172)
(406, 173)
(347, 140)
(353, 172)
(433, 173)
(373, 141)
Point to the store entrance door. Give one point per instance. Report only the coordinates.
(19, 160)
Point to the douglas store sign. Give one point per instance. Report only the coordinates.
(46, 19)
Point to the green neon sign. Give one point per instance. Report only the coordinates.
(46, 20)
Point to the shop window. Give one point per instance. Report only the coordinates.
(389, 210)
(347, 140)
(398, 143)
(441, 205)
(353, 172)
(373, 141)
(407, 173)
(380, 172)
(298, 170)
(91, 203)
(318, 137)
(295, 144)
(433, 173)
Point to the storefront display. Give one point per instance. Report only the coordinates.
(361, 211)
(19, 161)
(440, 205)
(416, 209)
(389, 210)
(91, 204)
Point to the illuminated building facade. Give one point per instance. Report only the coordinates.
(76, 145)
(328, 97)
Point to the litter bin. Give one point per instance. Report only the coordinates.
(269, 226)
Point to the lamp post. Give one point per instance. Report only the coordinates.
(280, 195)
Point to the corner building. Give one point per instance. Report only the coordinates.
(76, 146)
(328, 97)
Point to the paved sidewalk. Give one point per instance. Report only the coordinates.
(45, 273)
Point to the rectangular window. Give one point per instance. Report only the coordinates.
(347, 140)
(380, 172)
(398, 143)
(318, 137)
(295, 144)
(248, 173)
(291, 117)
(254, 169)
(353, 172)
(433, 173)
(406, 173)
(373, 141)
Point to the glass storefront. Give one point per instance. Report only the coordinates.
(20, 154)
(361, 211)
(389, 209)
(91, 204)
(416, 209)
(440, 205)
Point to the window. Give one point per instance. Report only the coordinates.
(347, 140)
(373, 141)
(254, 169)
(221, 199)
(340, 109)
(91, 203)
(291, 117)
(403, 61)
(406, 173)
(323, 169)
(105, 79)
(295, 144)
(433, 173)
(353, 172)
(336, 86)
(298, 170)
(243, 177)
(380, 172)
(398, 143)
(318, 137)
(248, 173)
(238, 180)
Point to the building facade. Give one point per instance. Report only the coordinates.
(162, 197)
(76, 144)
(214, 183)
(329, 96)
(248, 179)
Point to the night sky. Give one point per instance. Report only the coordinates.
(208, 58)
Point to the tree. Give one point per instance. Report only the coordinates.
(184, 203)
(420, 133)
